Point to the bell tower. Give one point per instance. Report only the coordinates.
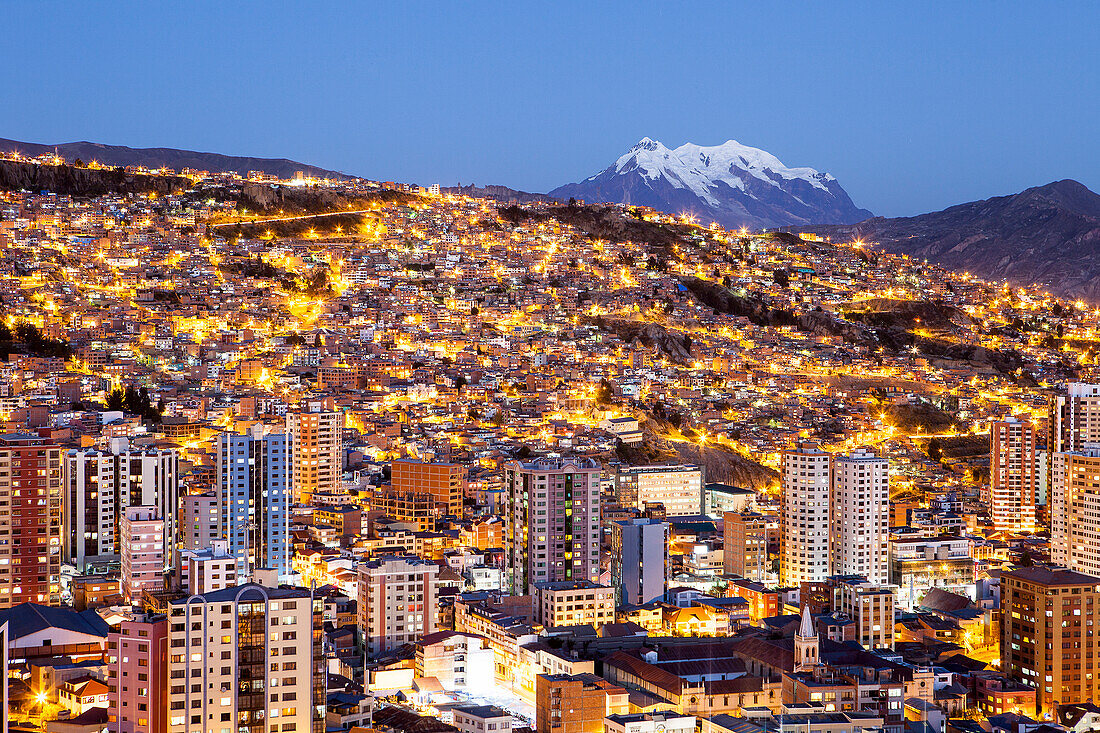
(807, 650)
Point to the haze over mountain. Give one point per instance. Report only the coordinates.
(1047, 236)
(732, 184)
(168, 157)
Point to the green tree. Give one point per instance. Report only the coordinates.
(604, 392)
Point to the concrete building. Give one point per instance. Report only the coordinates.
(208, 570)
(243, 658)
(98, 487)
(445, 483)
(470, 718)
(198, 522)
(1075, 418)
(918, 564)
(662, 721)
(1046, 619)
(639, 560)
(574, 602)
(137, 675)
(860, 516)
(143, 559)
(398, 597)
(804, 515)
(1075, 509)
(30, 492)
(576, 703)
(1013, 475)
(678, 488)
(871, 607)
(745, 545)
(316, 441)
(460, 661)
(552, 518)
(252, 492)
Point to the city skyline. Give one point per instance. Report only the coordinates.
(911, 113)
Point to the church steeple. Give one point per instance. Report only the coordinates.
(807, 650)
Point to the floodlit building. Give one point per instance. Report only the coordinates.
(1013, 475)
(316, 441)
(398, 597)
(243, 658)
(143, 558)
(678, 488)
(804, 515)
(639, 559)
(253, 496)
(552, 522)
(30, 492)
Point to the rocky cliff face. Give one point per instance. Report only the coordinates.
(502, 194)
(1048, 236)
(71, 181)
(270, 198)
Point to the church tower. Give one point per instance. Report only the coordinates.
(807, 650)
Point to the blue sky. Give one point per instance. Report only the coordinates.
(912, 106)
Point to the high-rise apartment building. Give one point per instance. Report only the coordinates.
(398, 601)
(1048, 640)
(639, 560)
(678, 488)
(198, 520)
(834, 516)
(98, 487)
(445, 483)
(30, 525)
(246, 659)
(143, 559)
(804, 515)
(552, 517)
(418, 510)
(316, 441)
(1075, 418)
(1013, 475)
(253, 495)
(137, 675)
(860, 516)
(745, 544)
(1075, 509)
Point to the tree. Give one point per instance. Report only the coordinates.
(460, 382)
(782, 278)
(114, 400)
(604, 392)
(78, 163)
(935, 449)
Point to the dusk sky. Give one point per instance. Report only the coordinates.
(912, 106)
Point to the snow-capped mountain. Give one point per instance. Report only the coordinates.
(732, 184)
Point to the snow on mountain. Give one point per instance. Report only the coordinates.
(731, 183)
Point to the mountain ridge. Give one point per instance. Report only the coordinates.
(174, 158)
(732, 184)
(1047, 236)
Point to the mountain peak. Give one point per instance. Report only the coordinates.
(732, 183)
(646, 144)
